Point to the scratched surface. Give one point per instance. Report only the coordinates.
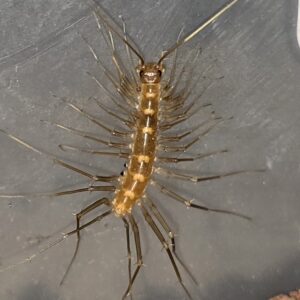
(256, 69)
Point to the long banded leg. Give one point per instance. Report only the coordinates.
(162, 221)
(108, 188)
(120, 89)
(189, 203)
(139, 262)
(89, 116)
(181, 72)
(109, 93)
(127, 228)
(83, 212)
(86, 174)
(59, 161)
(133, 113)
(129, 53)
(173, 66)
(168, 125)
(167, 148)
(121, 69)
(108, 38)
(96, 219)
(161, 238)
(175, 138)
(89, 136)
(126, 122)
(119, 154)
(54, 243)
(190, 70)
(189, 159)
(178, 175)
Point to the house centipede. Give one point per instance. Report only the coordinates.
(153, 106)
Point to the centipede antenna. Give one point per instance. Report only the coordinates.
(198, 30)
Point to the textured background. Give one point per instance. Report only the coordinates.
(254, 49)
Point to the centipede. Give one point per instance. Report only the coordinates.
(149, 105)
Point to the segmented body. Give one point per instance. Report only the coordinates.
(140, 166)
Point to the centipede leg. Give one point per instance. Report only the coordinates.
(127, 228)
(87, 135)
(178, 175)
(168, 85)
(202, 134)
(110, 94)
(108, 188)
(162, 221)
(188, 203)
(129, 97)
(90, 117)
(120, 154)
(183, 148)
(86, 174)
(189, 159)
(161, 238)
(125, 36)
(83, 212)
(59, 161)
(126, 122)
(129, 54)
(139, 262)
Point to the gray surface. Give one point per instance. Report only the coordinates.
(254, 47)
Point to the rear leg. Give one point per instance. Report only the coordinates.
(127, 228)
(161, 238)
(139, 262)
(162, 221)
(82, 213)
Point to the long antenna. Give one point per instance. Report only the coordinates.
(199, 29)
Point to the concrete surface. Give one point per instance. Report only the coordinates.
(255, 72)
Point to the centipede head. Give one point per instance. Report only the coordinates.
(150, 72)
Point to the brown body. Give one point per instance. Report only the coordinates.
(136, 179)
